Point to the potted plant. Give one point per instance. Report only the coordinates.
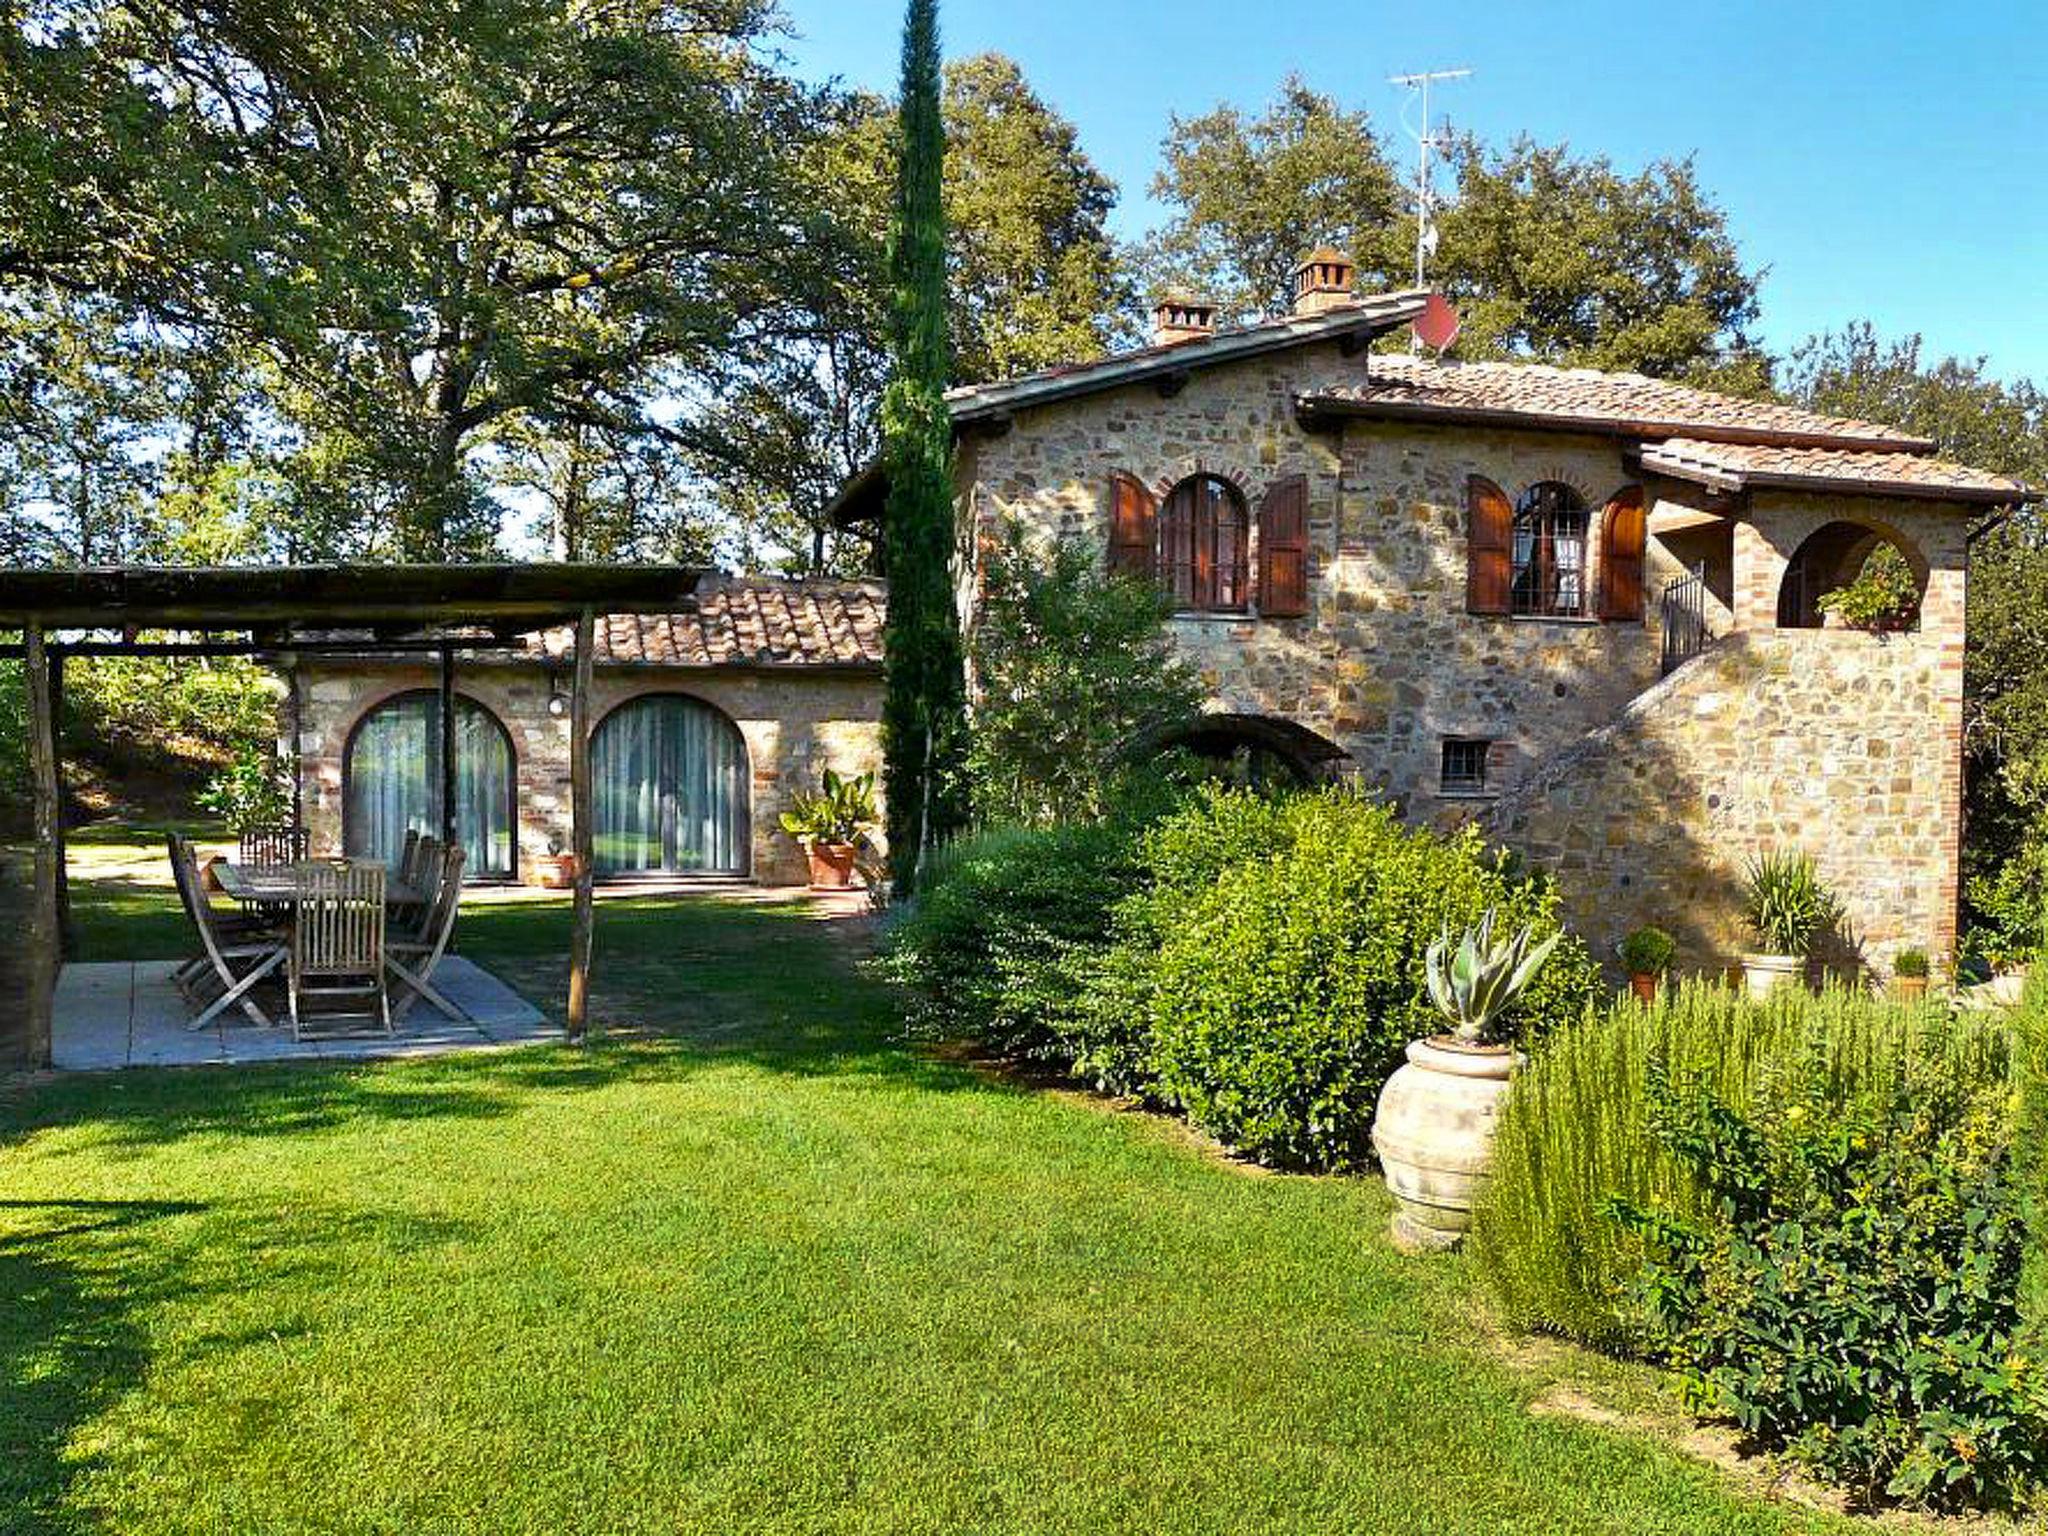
(1433, 1129)
(1883, 598)
(1646, 955)
(1788, 908)
(1909, 974)
(556, 870)
(831, 826)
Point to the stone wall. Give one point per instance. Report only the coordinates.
(1840, 743)
(1386, 663)
(796, 723)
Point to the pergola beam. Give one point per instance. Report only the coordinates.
(405, 598)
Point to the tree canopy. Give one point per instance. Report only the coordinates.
(1548, 255)
(425, 221)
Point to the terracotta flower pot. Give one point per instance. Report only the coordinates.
(831, 865)
(1644, 985)
(554, 871)
(1434, 1135)
(1764, 974)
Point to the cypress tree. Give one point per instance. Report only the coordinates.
(924, 719)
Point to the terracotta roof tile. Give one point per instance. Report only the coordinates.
(1738, 466)
(743, 621)
(1627, 403)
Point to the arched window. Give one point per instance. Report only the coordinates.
(1204, 538)
(671, 787)
(1549, 552)
(391, 783)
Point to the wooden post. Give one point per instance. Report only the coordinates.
(295, 722)
(579, 822)
(67, 933)
(448, 827)
(44, 928)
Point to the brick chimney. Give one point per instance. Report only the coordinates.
(1323, 281)
(1181, 316)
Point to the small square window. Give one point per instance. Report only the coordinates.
(1464, 769)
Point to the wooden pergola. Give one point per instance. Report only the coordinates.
(440, 610)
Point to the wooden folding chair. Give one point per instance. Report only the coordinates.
(271, 847)
(414, 952)
(230, 963)
(337, 948)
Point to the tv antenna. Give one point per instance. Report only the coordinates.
(1428, 142)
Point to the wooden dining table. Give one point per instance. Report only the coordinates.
(278, 885)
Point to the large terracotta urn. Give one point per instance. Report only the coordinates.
(1763, 975)
(1434, 1136)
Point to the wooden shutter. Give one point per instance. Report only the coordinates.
(1489, 547)
(1133, 528)
(1283, 549)
(1624, 531)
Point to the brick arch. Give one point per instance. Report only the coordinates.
(1557, 474)
(1190, 465)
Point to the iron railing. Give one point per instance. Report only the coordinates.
(1684, 613)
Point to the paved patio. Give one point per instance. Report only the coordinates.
(128, 1014)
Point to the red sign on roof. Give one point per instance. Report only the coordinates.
(1437, 325)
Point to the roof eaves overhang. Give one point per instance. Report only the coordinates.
(1322, 409)
(990, 407)
(386, 599)
(1363, 321)
(1743, 481)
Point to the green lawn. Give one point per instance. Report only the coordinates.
(759, 1268)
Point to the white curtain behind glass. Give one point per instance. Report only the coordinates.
(669, 781)
(394, 783)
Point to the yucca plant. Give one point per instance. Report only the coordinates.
(1476, 981)
(1788, 906)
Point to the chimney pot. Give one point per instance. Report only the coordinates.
(1323, 281)
(1182, 316)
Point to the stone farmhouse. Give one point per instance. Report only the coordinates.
(708, 717)
(1577, 608)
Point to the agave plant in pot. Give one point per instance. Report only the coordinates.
(1433, 1129)
(1788, 908)
(831, 824)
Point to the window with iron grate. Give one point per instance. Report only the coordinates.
(1550, 553)
(1464, 766)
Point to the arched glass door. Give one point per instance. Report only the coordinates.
(392, 783)
(670, 781)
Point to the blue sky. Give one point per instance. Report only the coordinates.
(1882, 160)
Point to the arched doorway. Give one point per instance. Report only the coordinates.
(1260, 750)
(1840, 554)
(671, 788)
(391, 783)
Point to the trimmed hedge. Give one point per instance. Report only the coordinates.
(1000, 944)
(1255, 962)
(1286, 943)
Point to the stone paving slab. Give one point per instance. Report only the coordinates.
(129, 1014)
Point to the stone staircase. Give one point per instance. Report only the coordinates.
(1847, 745)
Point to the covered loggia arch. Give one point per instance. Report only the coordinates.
(1836, 554)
